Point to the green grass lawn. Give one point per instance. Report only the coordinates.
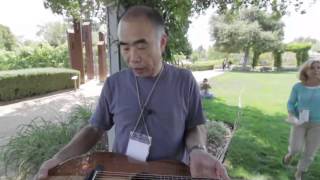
(261, 139)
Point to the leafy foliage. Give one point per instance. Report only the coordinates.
(41, 55)
(314, 42)
(216, 132)
(16, 84)
(54, 33)
(41, 139)
(7, 39)
(175, 13)
(301, 50)
(245, 30)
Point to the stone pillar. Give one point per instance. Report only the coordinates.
(102, 57)
(87, 38)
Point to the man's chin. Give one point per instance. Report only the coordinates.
(140, 74)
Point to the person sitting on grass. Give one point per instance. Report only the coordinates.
(204, 89)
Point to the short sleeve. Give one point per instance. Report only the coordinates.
(292, 102)
(102, 118)
(195, 114)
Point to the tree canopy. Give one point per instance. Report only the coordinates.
(175, 13)
(54, 33)
(249, 29)
(301, 49)
(7, 39)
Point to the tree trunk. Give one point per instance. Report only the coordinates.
(255, 59)
(245, 58)
(277, 59)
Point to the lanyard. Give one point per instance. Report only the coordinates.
(142, 108)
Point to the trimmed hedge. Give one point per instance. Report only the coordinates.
(17, 84)
(199, 67)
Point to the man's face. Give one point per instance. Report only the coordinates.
(141, 47)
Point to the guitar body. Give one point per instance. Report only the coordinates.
(116, 166)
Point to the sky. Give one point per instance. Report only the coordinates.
(24, 16)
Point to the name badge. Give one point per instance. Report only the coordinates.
(304, 115)
(138, 146)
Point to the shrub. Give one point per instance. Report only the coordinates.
(16, 84)
(240, 68)
(6, 59)
(216, 132)
(42, 55)
(301, 50)
(199, 67)
(203, 65)
(40, 140)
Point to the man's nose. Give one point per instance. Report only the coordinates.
(134, 55)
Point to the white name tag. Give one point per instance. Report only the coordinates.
(304, 115)
(138, 146)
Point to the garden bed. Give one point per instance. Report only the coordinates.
(220, 149)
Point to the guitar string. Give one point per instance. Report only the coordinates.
(153, 177)
(160, 178)
(105, 174)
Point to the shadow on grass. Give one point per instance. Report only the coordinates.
(259, 143)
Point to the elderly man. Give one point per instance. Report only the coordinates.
(155, 107)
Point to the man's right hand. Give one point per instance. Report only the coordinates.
(45, 167)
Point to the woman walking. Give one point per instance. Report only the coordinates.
(304, 114)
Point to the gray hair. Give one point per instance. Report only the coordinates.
(147, 12)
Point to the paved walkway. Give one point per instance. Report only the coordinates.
(54, 106)
(200, 75)
(57, 105)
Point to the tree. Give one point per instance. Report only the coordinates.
(54, 33)
(279, 7)
(314, 42)
(175, 13)
(301, 49)
(270, 36)
(246, 30)
(7, 39)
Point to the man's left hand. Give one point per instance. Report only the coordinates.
(204, 165)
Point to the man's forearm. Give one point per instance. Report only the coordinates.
(196, 136)
(81, 143)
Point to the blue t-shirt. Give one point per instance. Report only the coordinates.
(305, 97)
(174, 107)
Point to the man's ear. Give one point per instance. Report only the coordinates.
(163, 42)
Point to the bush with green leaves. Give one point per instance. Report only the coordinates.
(15, 84)
(40, 140)
(41, 55)
(204, 65)
(216, 132)
(7, 58)
(301, 50)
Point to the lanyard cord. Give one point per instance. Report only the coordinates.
(145, 103)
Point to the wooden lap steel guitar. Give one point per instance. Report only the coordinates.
(112, 166)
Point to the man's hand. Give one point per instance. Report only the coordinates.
(45, 167)
(204, 165)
